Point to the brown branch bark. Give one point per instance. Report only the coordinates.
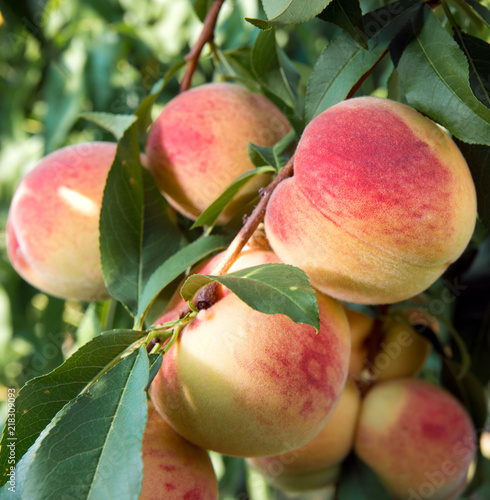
(252, 222)
(210, 294)
(207, 35)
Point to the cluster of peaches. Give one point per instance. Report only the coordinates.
(380, 204)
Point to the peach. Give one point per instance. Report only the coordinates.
(173, 468)
(420, 313)
(402, 353)
(198, 145)
(418, 439)
(248, 384)
(360, 325)
(381, 202)
(53, 223)
(316, 464)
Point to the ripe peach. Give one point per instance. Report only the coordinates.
(173, 468)
(316, 464)
(360, 327)
(402, 353)
(247, 384)
(53, 223)
(381, 202)
(198, 146)
(417, 438)
(420, 315)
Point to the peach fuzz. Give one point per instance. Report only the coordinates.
(173, 468)
(198, 145)
(315, 465)
(247, 384)
(53, 223)
(417, 437)
(381, 202)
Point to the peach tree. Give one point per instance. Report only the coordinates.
(147, 271)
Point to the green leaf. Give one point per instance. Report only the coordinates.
(115, 124)
(435, 79)
(155, 364)
(103, 56)
(467, 389)
(269, 288)
(110, 10)
(136, 232)
(63, 93)
(280, 149)
(481, 10)
(161, 235)
(346, 14)
(21, 471)
(201, 8)
(337, 70)
(386, 21)
(274, 70)
(93, 450)
(209, 216)
(344, 62)
(236, 64)
(477, 53)
(394, 90)
(261, 155)
(121, 222)
(175, 266)
(41, 398)
(359, 482)
(271, 155)
(284, 12)
(259, 23)
(478, 158)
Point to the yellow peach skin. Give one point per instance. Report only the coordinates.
(360, 325)
(402, 353)
(53, 222)
(417, 438)
(381, 202)
(235, 373)
(247, 384)
(173, 468)
(198, 145)
(316, 464)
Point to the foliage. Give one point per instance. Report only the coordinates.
(83, 71)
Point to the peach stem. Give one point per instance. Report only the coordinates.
(207, 35)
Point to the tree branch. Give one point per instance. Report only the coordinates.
(210, 294)
(253, 221)
(207, 35)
